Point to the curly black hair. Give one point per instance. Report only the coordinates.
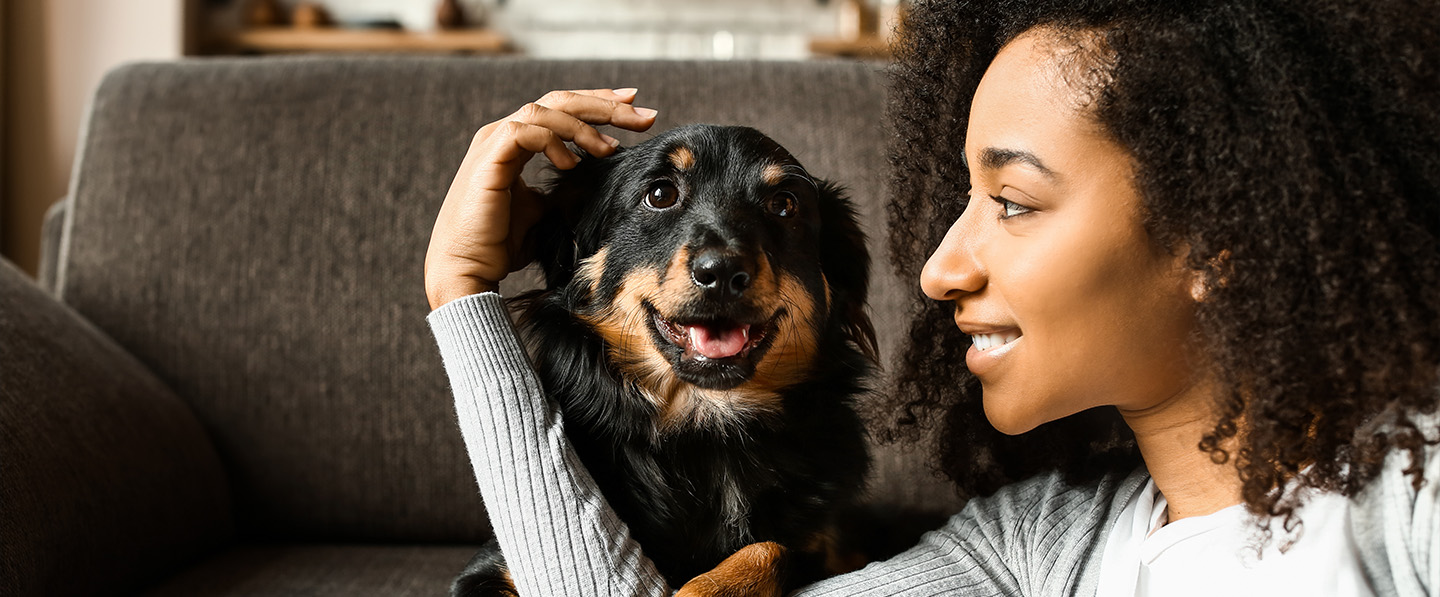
(1292, 147)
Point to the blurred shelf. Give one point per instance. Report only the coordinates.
(866, 47)
(329, 39)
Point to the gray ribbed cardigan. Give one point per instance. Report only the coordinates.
(1037, 537)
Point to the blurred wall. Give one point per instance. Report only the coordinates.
(55, 53)
(624, 29)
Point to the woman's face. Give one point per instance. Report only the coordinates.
(1069, 302)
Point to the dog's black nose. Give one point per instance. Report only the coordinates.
(721, 275)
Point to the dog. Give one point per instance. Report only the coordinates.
(703, 333)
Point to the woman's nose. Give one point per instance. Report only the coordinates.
(952, 269)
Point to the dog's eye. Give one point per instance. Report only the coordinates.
(782, 204)
(661, 195)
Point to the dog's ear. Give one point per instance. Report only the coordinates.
(846, 262)
(573, 197)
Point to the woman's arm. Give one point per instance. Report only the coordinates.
(558, 535)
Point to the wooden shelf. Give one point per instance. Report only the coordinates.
(328, 39)
(868, 47)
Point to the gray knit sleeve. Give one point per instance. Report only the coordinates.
(558, 535)
(1397, 527)
(1037, 537)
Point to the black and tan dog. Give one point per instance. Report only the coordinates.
(703, 332)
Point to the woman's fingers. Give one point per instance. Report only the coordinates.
(567, 127)
(626, 95)
(513, 144)
(569, 115)
(600, 107)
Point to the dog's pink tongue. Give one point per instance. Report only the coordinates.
(718, 342)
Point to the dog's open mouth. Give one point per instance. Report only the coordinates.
(713, 353)
(712, 340)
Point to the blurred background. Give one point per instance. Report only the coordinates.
(53, 53)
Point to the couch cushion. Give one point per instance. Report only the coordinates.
(321, 570)
(106, 479)
(255, 231)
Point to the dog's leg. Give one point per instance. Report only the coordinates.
(756, 570)
(485, 575)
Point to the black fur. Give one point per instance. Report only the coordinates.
(694, 494)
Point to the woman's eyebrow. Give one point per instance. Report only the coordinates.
(995, 158)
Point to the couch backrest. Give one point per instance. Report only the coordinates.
(254, 231)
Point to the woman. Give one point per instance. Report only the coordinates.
(1191, 253)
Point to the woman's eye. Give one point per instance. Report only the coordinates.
(782, 204)
(662, 195)
(1010, 209)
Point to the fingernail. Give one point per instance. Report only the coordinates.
(626, 91)
(646, 112)
(610, 140)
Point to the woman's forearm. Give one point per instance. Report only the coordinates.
(557, 533)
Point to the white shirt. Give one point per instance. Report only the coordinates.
(1216, 554)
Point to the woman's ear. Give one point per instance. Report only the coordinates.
(1199, 288)
(1215, 275)
(846, 262)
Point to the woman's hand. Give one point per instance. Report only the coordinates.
(479, 236)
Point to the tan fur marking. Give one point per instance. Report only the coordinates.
(676, 288)
(592, 267)
(505, 574)
(624, 325)
(753, 571)
(682, 157)
(773, 174)
(826, 283)
(792, 352)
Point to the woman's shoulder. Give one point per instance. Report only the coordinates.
(1046, 507)
(1396, 524)
(1048, 531)
(1049, 496)
(1037, 536)
(1396, 483)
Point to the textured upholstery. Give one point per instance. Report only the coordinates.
(51, 232)
(322, 571)
(107, 482)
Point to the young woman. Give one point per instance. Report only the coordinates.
(1192, 251)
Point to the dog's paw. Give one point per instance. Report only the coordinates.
(756, 570)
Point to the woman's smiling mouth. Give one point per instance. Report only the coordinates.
(992, 341)
(988, 344)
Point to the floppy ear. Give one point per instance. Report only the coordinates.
(574, 197)
(846, 263)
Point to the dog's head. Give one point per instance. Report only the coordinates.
(713, 266)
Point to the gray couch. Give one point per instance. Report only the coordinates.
(224, 384)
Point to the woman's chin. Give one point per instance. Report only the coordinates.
(1014, 413)
(1008, 419)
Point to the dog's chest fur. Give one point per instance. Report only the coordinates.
(693, 500)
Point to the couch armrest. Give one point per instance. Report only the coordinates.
(52, 237)
(107, 481)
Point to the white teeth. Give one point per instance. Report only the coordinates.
(989, 341)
